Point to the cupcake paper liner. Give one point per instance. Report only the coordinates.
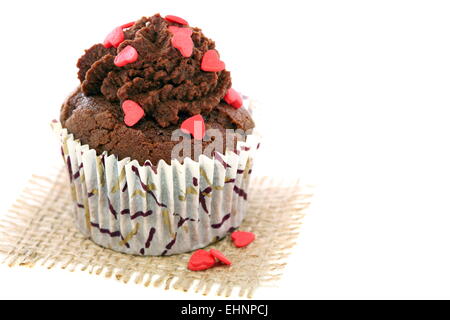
(157, 210)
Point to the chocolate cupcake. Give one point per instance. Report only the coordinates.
(159, 147)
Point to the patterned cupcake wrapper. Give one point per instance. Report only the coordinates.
(162, 210)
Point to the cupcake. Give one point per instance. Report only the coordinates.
(158, 145)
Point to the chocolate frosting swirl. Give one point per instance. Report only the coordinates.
(162, 81)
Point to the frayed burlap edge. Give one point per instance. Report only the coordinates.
(39, 230)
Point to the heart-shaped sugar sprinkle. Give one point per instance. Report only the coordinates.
(211, 62)
(242, 238)
(126, 56)
(182, 40)
(114, 38)
(194, 125)
(128, 25)
(184, 31)
(133, 112)
(176, 20)
(201, 260)
(233, 98)
(220, 256)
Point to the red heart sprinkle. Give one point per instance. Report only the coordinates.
(184, 31)
(233, 98)
(126, 56)
(219, 256)
(133, 112)
(176, 20)
(128, 25)
(201, 260)
(194, 125)
(242, 238)
(185, 45)
(114, 39)
(211, 62)
(182, 40)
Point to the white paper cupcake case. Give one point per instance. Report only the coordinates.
(163, 210)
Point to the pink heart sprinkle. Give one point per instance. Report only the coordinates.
(126, 56)
(211, 62)
(176, 20)
(220, 256)
(194, 125)
(242, 238)
(114, 38)
(176, 30)
(233, 98)
(201, 260)
(128, 25)
(133, 112)
(182, 40)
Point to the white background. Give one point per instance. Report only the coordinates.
(354, 99)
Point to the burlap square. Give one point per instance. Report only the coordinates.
(39, 231)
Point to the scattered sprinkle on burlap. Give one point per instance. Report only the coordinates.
(38, 230)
